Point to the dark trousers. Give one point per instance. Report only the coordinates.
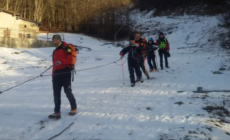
(161, 54)
(143, 68)
(60, 81)
(134, 66)
(152, 61)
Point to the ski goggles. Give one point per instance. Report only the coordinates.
(150, 39)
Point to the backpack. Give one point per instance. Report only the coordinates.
(74, 54)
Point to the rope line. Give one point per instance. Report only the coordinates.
(41, 75)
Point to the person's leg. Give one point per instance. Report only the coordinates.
(150, 63)
(57, 94)
(144, 68)
(137, 70)
(68, 90)
(166, 59)
(161, 59)
(154, 62)
(131, 71)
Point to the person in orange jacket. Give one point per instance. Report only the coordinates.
(62, 60)
(164, 49)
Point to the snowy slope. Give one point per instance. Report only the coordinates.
(107, 109)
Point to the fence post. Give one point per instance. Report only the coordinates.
(7, 37)
(47, 35)
(115, 36)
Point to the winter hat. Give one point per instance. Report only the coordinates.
(131, 38)
(161, 33)
(58, 37)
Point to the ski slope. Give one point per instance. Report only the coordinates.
(163, 108)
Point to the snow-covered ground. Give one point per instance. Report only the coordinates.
(163, 108)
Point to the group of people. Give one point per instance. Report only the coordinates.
(64, 59)
(139, 49)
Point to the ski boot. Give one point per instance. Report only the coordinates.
(55, 116)
(73, 112)
(139, 80)
(132, 84)
(151, 70)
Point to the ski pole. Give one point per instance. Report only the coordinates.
(123, 70)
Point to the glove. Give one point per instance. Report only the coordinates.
(121, 54)
(58, 63)
(155, 48)
(143, 53)
(136, 45)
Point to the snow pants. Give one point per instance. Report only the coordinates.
(161, 54)
(134, 66)
(152, 61)
(59, 81)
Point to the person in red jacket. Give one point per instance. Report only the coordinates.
(142, 44)
(62, 60)
(164, 49)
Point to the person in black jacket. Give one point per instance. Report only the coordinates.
(133, 60)
(151, 55)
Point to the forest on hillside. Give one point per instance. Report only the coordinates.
(95, 17)
(103, 18)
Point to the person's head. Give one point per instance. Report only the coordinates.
(150, 41)
(137, 36)
(161, 35)
(56, 40)
(132, 40)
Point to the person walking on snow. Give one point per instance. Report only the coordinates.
(164, 49)
(133, 61)
(142, 44)
(62, 60)
(151, 55)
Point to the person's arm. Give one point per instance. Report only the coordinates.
(157, 43)
(124, 51)
(69, 57)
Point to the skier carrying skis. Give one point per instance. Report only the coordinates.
(133, 61)
(142, 44)
(152, 55)
(164, 48)
(62, 61)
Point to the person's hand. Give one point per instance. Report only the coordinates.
(58, 63)
(143, 53)
(137, 45)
